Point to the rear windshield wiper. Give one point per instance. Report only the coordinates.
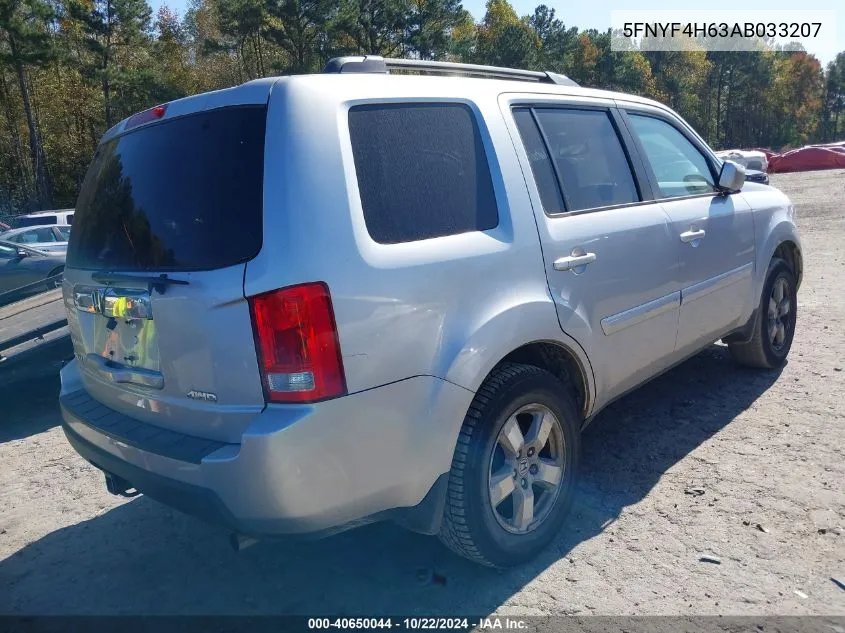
(160, 282)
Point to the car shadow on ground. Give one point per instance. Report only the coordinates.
(29, 390)
(144, 558)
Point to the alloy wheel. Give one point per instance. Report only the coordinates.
(779, 312)
(526, 469)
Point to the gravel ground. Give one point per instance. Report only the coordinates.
(765, 448)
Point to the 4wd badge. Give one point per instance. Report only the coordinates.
(205, 396)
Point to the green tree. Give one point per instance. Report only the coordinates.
(212, 65)
(372, 27)
(631, 72)
(797, 96)
(504, 39)
(585, 60)
(556, 43)
(430, 24)
(681, 79)
(110, 27)
(296, 26)
(171, 66)
(243, 23)
(463, 39)
(834, 99)
(26, 44)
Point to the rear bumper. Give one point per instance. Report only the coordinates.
(188, 498)
(299, 469)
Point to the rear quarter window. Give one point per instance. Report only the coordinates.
(422, 171)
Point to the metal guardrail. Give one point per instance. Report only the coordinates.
(17, 293)
(26, 317)
(36, 333)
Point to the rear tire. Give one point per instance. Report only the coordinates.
(774, 327)
(486, 465)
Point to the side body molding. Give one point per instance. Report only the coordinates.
(638, 314)
(704, 288)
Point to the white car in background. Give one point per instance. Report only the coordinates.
(58, 217)
(52, 239)
(750, 159)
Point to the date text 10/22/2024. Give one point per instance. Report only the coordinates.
(488, 623)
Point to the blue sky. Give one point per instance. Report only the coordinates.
(596, 13)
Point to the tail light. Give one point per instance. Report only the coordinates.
(296, 340)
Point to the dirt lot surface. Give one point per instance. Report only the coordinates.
(767, 450)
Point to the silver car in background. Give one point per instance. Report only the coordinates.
(29, 269)
(42, 238)
(434, 285)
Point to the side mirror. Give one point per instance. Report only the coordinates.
(22, 253)
(731, 177)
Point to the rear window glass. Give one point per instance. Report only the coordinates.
(184, 194)
(422, 171)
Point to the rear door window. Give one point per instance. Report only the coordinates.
(541, 164)
(591, 163)
(422, 171)
(183, 194)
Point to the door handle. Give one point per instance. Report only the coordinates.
(574, 261)
(692, 235)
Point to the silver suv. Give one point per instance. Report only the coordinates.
(308, 303)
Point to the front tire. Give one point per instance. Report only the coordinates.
(774, 327)
(514, 467)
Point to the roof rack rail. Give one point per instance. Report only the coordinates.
(379, 65)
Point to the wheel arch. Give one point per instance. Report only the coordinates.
(528, 333)
(781, 240)
(790, 252)
(558, 360)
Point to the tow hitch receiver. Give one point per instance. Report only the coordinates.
(120, 487)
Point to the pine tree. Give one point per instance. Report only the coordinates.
(557, 43)
(244, 23)
(296, 26)
(26, 44)
(372, 27)
(430, 24)
(109, 26)
(504, 39)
